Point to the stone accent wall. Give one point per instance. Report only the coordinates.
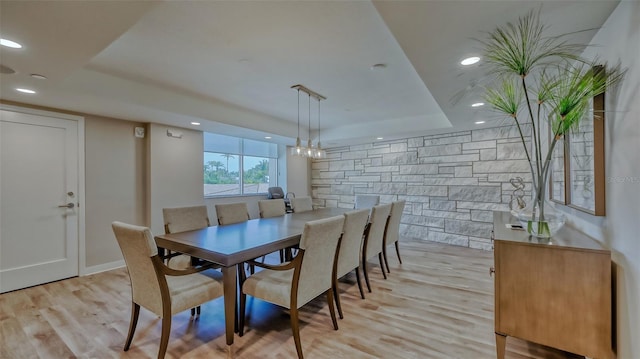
(451, 182)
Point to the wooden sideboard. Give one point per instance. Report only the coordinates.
(555, 292)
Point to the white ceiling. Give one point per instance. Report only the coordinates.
(230, 64)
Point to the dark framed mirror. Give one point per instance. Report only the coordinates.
(578, 175)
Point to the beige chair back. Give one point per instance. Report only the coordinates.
(182, 219)
(379, 216)
(393, 228)
(366, 201)
(351, 243)
(138, 246)
(232, 213)
(301, 204)
(319, 241)
(272, 208)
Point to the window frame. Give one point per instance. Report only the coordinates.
(241, 170)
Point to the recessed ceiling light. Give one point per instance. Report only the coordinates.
(479, 122)
(267, 137)
(195, 123)
(25, 91)
(9, 43)
(379, 138)
(39, 77)
(470, 60)
(477, 104)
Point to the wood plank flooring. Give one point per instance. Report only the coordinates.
(437, 304)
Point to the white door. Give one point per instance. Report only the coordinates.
(38, 199)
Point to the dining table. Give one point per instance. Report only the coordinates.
(231, 245)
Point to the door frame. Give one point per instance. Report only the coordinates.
(82, 270)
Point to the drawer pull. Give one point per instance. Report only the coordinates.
(492, 270)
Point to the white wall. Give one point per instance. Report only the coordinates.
(115, 176)
(298, 175)
(174, 167)
(619, 41)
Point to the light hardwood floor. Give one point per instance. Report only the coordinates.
(437, 304)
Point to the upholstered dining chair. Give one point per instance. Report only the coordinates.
(366, 201)
(355, 223)
(374, 238)
(293, 284)
(392, 232)
(180, 219)
(273, 208)
(230, 213)
(301, 204)
(158, 288)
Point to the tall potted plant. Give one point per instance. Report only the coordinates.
(541, 84)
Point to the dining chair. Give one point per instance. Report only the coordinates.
(273, 208)
(181, 219)
(366, 201)
(373, 240)
(355, 223)
(293, 284)
(158, 288)
(231, 213)
(392, 232)
(301, 204)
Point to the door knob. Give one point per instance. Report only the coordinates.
(68, 205)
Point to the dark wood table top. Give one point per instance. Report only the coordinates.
(232, 244)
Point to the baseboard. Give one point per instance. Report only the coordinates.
(102, 267)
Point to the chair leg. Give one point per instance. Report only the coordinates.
(198, 310)
(384, 274)
(135, 311)
(366, 275)
(295, 328)
(398, 252)
(336, 296)
(332, 310)
(359, 283)
(164, 338)
(243, 304)
(193, 312)
(282, 256)
(386, 262)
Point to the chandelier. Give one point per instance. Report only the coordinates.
(309, 151)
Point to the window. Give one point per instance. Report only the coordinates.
(225, 156)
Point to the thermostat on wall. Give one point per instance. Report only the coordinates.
(139, 132)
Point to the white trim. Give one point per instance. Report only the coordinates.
(103, 267)
(44, 113)
(82, 253)
(81, 178)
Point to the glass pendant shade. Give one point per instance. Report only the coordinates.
(298, 150)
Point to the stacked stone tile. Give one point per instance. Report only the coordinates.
(451, 182)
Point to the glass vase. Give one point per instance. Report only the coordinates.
(539, 217)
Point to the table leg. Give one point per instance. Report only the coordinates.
(230, 290)
(501, 343)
